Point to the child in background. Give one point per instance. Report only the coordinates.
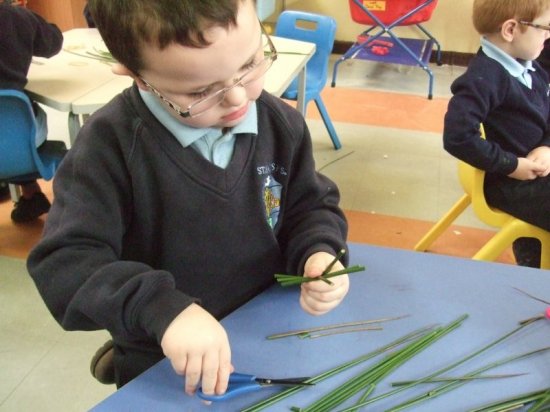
(24, 34)
(182, 197)
(507, 90)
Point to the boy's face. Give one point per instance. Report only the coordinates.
(185, 75)
(528, 44)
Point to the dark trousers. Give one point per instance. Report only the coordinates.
(528, 200)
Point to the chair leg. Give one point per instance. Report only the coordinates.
(328, 123)
(504, 238)
(495, 246)
(545, 253)
(15, 192)
(443, 224)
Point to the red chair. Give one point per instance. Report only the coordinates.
(385, 15)
(392, 12)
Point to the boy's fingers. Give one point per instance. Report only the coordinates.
(192, 374)
(313, 306)
(224, 370)
(210, 365)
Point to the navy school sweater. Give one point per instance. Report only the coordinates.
(141, 227)
(515, 118)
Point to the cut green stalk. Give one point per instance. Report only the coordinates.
(533, 319)
(339, 332)
(531, 296)
(302, 332)
(440, 390)
(290, 280)
(444, 369)
(92, 55)
(367, 393)
(331, 372)
(338, 256)
(376, 373)
(542, 403)
(513, 402)
(459, 378)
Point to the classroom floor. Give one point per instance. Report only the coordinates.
(395, 180)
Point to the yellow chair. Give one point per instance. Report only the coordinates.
(510, 228)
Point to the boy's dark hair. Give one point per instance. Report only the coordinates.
(126, 25)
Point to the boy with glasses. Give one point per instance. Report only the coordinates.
(182, 197)
(507, 91)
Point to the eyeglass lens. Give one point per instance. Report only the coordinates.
(249, 77)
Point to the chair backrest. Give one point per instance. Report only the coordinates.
(265, 8)
(387, 11)
(18, 153)
(472, 180)
(312, 28)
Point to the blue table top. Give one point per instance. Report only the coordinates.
(430, 289)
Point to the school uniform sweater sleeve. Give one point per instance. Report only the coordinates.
(81, 266)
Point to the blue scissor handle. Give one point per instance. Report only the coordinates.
(239, 384)
(237, 377)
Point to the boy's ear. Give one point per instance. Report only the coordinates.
(122, 70)
(508, 28)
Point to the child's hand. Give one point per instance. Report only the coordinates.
(528, 169)
(319, 297)
(198, 347)
(541, 156)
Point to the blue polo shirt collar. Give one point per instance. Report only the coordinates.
(516, 68)
(188, 135)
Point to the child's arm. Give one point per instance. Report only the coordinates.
(198, 347)
(319, 297)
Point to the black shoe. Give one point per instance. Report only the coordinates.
(27, 210)
(102, 366)
(4, 192)
(527, 252)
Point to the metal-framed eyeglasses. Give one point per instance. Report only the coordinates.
(200, 106)
(535, 25)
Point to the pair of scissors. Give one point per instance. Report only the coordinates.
(241, 383)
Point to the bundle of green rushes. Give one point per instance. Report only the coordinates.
(291, 280)
(368, 379)
(418, 341)
(538, 401)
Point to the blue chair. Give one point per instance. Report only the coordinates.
(20, 159)
(320, 30)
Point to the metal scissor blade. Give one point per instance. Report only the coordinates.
(288, 381)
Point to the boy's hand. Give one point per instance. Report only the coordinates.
(198, 347)
(541, 156)
(528, 169)
(319, 297)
